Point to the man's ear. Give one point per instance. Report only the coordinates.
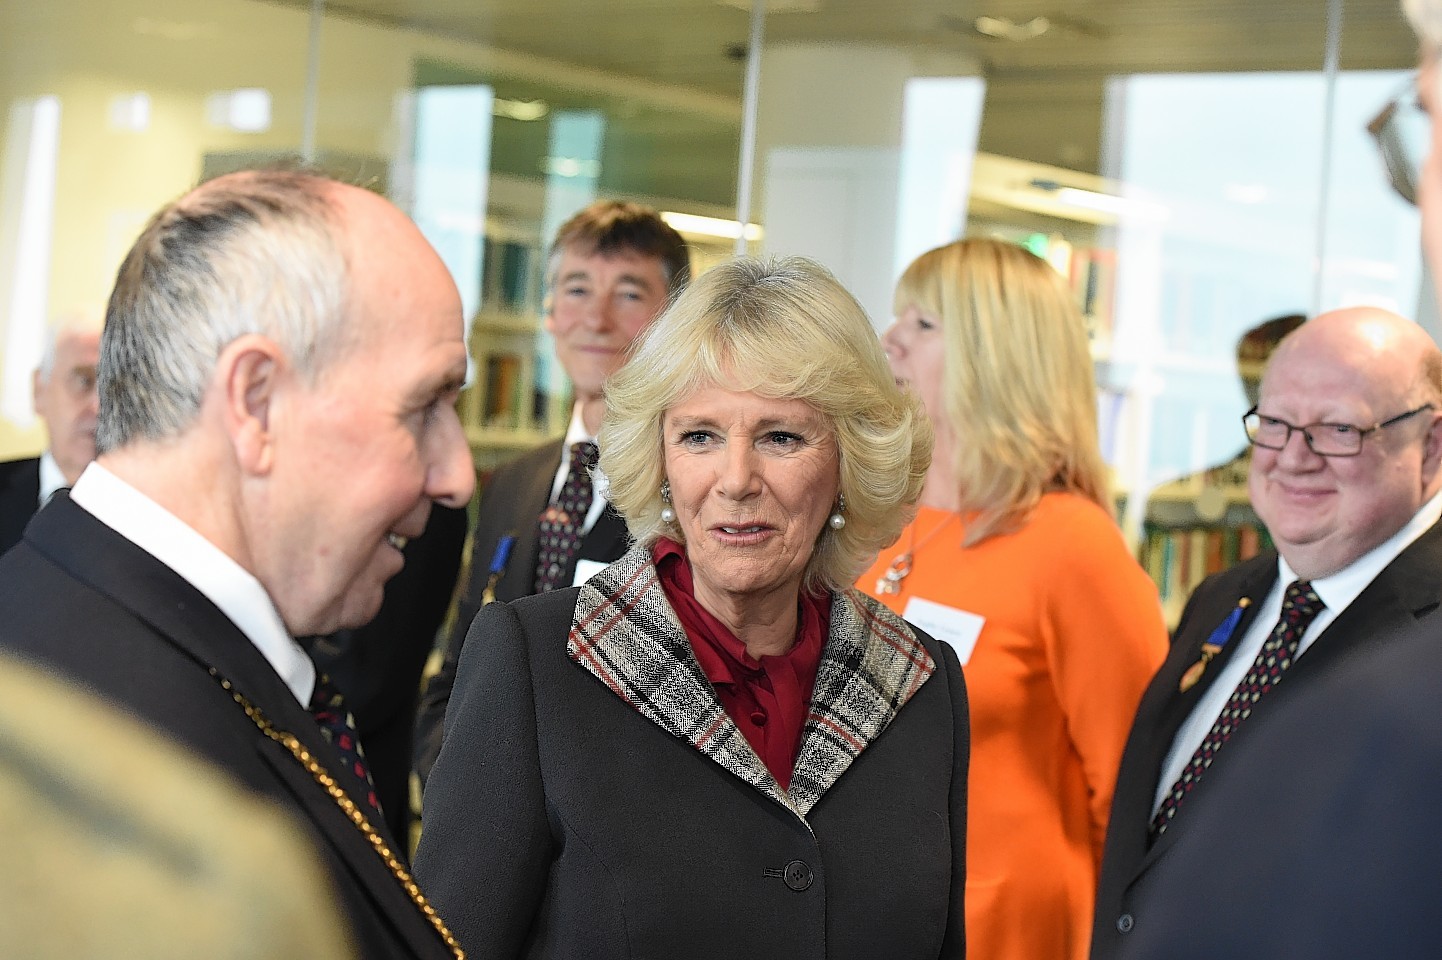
(1432, 450)
(248, 376)
(37, 394)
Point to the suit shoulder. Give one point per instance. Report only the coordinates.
(547, 454)
(539, 609)
(514, 482)
(1221, 591)
(543, 614)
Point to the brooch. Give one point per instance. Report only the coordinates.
(497, 570)
(1214, 645)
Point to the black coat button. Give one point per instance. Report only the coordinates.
(798, 875)
(1125, 923)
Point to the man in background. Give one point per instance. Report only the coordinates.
(1314, 834)
(542, 522)
(1241, 802)
(278, 374)
(65, 399)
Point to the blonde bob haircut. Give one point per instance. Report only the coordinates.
(783, 329)
(1019, 394)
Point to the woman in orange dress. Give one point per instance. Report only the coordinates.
(1015, 558)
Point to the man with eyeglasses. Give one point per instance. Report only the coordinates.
(1229, 835)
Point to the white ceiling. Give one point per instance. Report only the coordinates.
(1044, 95)
(696, 43)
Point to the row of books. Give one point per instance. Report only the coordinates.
(508, 394)
(1177, 559)
(502, 391)
(512, 276)
(1092, 274)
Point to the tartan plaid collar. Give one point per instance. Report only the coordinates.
(624, 632)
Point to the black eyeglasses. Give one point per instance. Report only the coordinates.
(1323, 439)
(1401, 131)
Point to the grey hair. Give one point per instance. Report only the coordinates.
(252, 252)
(54, 333)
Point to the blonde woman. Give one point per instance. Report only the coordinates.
(715, 748)
(1015, 558)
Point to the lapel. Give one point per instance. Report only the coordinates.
(1254, 585)
(1407, 589)
(531, 491)
(1165, 707)
(624, 632)
(185, 618)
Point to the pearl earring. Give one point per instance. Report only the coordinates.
(668, 515)
(837, 521)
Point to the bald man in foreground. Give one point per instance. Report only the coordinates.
(1256, 810)
(278, 373)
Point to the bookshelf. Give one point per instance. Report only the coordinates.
(1196, 526)
(510, 406)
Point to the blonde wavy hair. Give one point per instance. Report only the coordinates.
(783, 328)
(1019, 393)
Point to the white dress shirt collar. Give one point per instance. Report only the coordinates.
(227, 584)
(576, 430)
(1339, 589)
(52, 478)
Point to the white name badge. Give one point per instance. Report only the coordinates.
(957, 627)
(585, 570)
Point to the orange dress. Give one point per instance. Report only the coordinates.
(1073, 632)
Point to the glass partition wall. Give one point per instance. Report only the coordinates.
(1194, 170)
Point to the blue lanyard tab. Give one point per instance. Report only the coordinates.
(1214, 644)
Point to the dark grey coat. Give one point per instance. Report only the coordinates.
(1407, 591)
(593, 799)
(81, 600)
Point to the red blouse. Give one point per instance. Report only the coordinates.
(768, 698)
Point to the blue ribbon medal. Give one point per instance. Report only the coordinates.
(499, 561)
(1214, 644)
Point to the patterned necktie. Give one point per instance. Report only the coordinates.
(1300, 604)
(338, 727)
(560, 527)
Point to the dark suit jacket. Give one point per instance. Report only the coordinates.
(1319, 839)
(378, 667)
(1407, 590)
(512, 503)
(19, 498)
(592, 798)
(82, 600)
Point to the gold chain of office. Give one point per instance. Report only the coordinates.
(350, 808)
